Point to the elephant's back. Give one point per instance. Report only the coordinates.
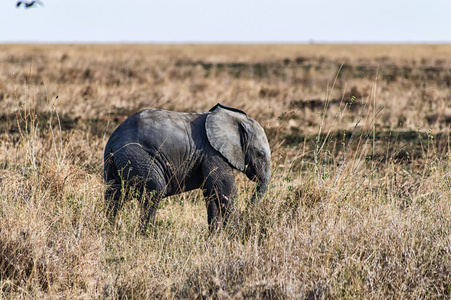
(156, 128)
(155, 116)
(167, 129)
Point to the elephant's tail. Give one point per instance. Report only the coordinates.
(109, 167)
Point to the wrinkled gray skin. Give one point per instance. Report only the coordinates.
(162, 153)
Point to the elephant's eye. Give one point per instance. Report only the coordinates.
(261, 153)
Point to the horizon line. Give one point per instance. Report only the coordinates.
(311, 42)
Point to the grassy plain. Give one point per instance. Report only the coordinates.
(359, 204)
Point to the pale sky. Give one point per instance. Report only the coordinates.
(231, 21)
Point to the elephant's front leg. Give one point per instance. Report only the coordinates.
(212, 210)
(219, 195)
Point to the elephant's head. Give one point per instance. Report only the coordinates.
(242, 141)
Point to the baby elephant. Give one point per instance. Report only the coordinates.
(161, 153)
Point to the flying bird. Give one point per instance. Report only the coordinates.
(29, 4)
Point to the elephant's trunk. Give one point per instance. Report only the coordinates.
(261, 188)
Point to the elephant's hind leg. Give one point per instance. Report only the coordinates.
(149, 205)
(152, 192)
(136, 175)
(113, 191)
(152, 188)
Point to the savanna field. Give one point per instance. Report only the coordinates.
(358, 205)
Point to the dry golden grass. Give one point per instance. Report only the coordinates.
(358, 205)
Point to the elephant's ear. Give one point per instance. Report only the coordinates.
(224, 128)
